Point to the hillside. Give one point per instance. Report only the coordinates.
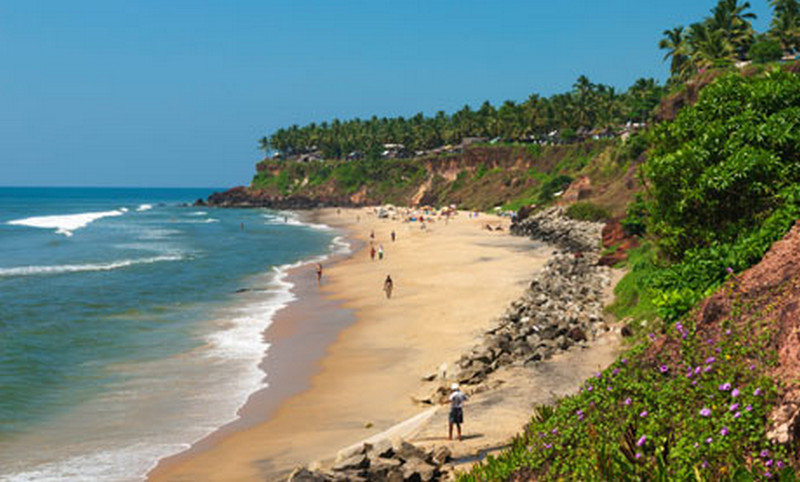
(480, 178)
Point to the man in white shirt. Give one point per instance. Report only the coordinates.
(457, 399)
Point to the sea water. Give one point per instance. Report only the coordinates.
(131, 323)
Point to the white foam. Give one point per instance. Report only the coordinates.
(75, 268)
(144, 207)
(105, 465)
(235, 352)
(66, 224)
(198, 213)
(291, 219)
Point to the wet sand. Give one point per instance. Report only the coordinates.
(451, 280)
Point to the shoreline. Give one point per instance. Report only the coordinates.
(362, 353)
(287, 371)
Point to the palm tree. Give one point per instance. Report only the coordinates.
(734, 20)
(674, 42)
(710, 47)
(263, 145)
(785, 25)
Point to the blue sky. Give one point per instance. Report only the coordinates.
(176, 93)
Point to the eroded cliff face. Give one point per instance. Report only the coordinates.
(481, 177)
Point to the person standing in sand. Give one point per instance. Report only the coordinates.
(457, 399)
(319, 273)
(380, 251)
(372, 252)
(394, 235)
(388, 286)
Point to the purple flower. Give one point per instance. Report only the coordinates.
(609, 388)
(710, 341)
(598, 375)
(697, 370)
(638, 455)
(554, 431)
(752, 367)
(652, 336)
(641, 440)
(707, 368)
(679, 326)
(624, 361)
(728, 332)
(694, 382)
(579, 413)
(737, 414)
(734, 407)
(768, 474)
(729, 270)
(768, 463)
(724, 431)
(718, 350)
(548, 446)
(764, 453)
(757, 392)
(735, 393)
(779, 464)
(589, 388)
(643, 414)
(710, 360)
(725, 387)
(704, 464)
(709, 440)
(663, 369)
(615, 372)
(749, 408)
(628, 401)
(705, 412)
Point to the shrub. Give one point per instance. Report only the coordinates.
(765, 51)
(719, 169)
(552, 186)
(586, 211)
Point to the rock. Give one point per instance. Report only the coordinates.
(576, 334)
(441, 455)
(406, 451)
(303, 474)
(354, 462)
(383, 448)
(417, 470)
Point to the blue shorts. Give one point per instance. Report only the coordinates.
(456, 415)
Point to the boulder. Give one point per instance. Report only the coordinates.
(441, 455)
(417, 470)
(303, 474)
(354, 462)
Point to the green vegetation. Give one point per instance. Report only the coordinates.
(727, 36)
(587, 105)
(680, 406)
(722, 185)
(586, 211)
(766, 50)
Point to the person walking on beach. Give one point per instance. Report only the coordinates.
(394, 235)
(457, 399)
(388, 286)
(372, 235)
(319, 273)
(372, 253)
(380, 251)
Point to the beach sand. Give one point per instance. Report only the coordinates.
(451, 280)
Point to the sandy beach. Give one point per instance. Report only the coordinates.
(451, 279)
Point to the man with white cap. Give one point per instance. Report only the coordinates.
(457, 399)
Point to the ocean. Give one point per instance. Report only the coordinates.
(131, 323)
